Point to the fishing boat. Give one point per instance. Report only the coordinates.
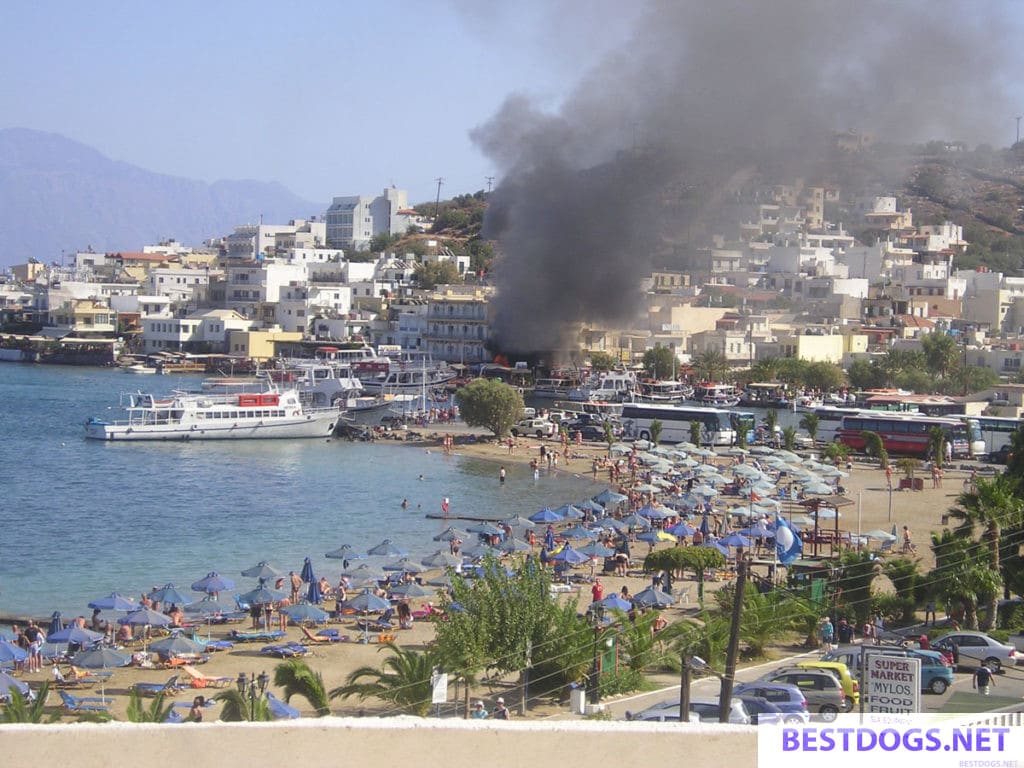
(140, 368)
(216, 416)
(414, 373)
(662, 392)
(764, 395)
(613, 386)
(715, 395)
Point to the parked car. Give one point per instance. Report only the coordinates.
(1001, 455)
(786, 697)
(821, 688)
(704, 709)
(977, 647)
(851, 687)
(936, 674)
(763, 712)
(537, 427)
(589, 432)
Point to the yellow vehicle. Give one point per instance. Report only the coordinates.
(842, 672)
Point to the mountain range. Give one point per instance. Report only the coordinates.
(58, 195)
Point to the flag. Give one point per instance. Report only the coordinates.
(788, 545)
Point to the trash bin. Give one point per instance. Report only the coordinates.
(577, 699)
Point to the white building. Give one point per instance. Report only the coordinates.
(178, 284)
(249, 285)
(201, 330)
(251, 241)
(353, 221)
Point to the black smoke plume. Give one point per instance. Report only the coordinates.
(704, 96)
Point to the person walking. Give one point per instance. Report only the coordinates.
(983, 678)
(501, 475)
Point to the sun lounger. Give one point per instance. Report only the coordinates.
(82, 703)
(217, 645)
(199, 680)
(323, 636)
(284, 650)
(256, 637)
(156, 689)
(279, 710)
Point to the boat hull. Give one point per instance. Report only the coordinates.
(305, 426)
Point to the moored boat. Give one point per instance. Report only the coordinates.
(715, 395)
(206, 416)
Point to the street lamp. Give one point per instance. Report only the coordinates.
(597, 621)
(252, 687)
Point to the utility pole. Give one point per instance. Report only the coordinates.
(1018, 129)
(732, 651)
(490, 181)
(437, 202)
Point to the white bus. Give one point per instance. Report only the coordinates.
(716, 424)
(996, 431)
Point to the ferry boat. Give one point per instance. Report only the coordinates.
(553, 388)
(764, 395)
(613, 386)
(662, 392)
(715, 395)
(209, 416)
(414, 374)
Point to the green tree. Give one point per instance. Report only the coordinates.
(602, 361)
(766, 369)
(792, 370)
(857, 571)
(822, 376)
(403, 680)
(711, 365)
(609, 436)
(156, 711)
(789, 438)
(937, 445)
(865, 374)
(432, 274)
(678, 560)
(638, 643)
(940, 353)
(19, 710)
(296, 678)
(238, 709)
(873, 446)
(491, 404)
(835, 451)
(962, 576)
(908, 465)
(809, 423)
(382, 241)
(660, 362)
(992, 506)
(656, 428)
(764, 618)
(905, 577)
(707, 637)
(771, 418)
(696, 428)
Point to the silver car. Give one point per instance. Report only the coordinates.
(704, 710)
(968, 646)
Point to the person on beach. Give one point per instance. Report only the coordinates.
(195, 714)
(35, 638)
(597, 591)
(908, 545)
(501, 475)
(296, 582)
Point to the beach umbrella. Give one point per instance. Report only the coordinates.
(570, 556)
(596, 549)
(212, 583)
(704, 490)
(441, 559)
(170, 594)
(746, 470)
(646, 488)
(652, 512)
(262, 596)
(519, 522)
(305, 612)
(546, 515)
(818, 489)
(788, 456)
(364, 571)
(880, 535)
(145, 617)
(609, 496)
(834, 472)
(411, 589)
(762, 450)
(654, 536)
(579, 532)
(734, 540)
(101, 657)
(682, 529)
(642, 445)
(75, 634)
(716, 545)
(387, 549)
(313, 594)
(209, 606)
(114, 602)
(589, 505)
(262, 570)
(569, 512)
(511, 546)
(345, 552)
(616, 525)
(9, 652)
(621, 448)
(405, 565)
(444, 581)
(451, 533)
(482, 549)
(635, 521)
(615, 602)
(737, 451)
(56, 623)
(176, 645)
(688, 462)
(8, 683)
(652, 598)
(757, 531)
(306, 574)
(486, 529)
(827, 513)
(367, 602)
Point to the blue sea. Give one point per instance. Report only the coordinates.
(80, 519)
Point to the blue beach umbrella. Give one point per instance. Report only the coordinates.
(616, 602)
(569, 512)
(145, 617)
(486, 529)
(306, 574)
(735, 540)
(387, 549)
(305, 612)
(170, 594)
(596, 549)
(262, 570)
(367, 602)
(451, 533)
(208, 606)
(570, 556)
(262, 596)
(652, 598)
(75, 634)
(176, 645)
(441, 559)
(715, 545)
(345, 552)
(511, 546)
(279, 710)
(609, 496)
(8, 683)
(579, 532)
(411, 589)
(313, 594)
(636, 521)
(681, 529)
(9, 652)
(589, 505)
(654, 536)
(56, 623)
(114, 602)
(404, 565)
(546, 515)
(213, 583)
(652, 512)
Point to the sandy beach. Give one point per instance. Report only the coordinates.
(921, 510)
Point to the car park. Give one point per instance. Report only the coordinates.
(969, 648)
(821, 688)
(704, 710)
(786, 697)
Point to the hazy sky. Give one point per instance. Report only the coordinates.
(328, 98)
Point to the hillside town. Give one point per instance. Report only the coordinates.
(787, 280)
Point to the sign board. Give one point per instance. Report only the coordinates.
(439, 688)
(891, 683)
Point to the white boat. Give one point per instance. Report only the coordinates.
(410, 378)
(206, 416)
(715, 395)
(139, 368)
(613, 387)
(662, 392)
(554, 388)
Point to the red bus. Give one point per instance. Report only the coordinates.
(907, 434)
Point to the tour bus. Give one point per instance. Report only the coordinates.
(996, 431)
(716, 424)
(908, 434)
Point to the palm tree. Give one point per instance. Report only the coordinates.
(772, 420)
(655, 429)
(765, 369)
(809, 423)
(696, 429)
(711, 365)
(295, 677)
(873, 446)
(236, 707)
(156, 712)
(992, 506)
(403, 681)
(937, 445)
(609, 437)
(19, 710)
(789, 438)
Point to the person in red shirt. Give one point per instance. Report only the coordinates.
(597, 590)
